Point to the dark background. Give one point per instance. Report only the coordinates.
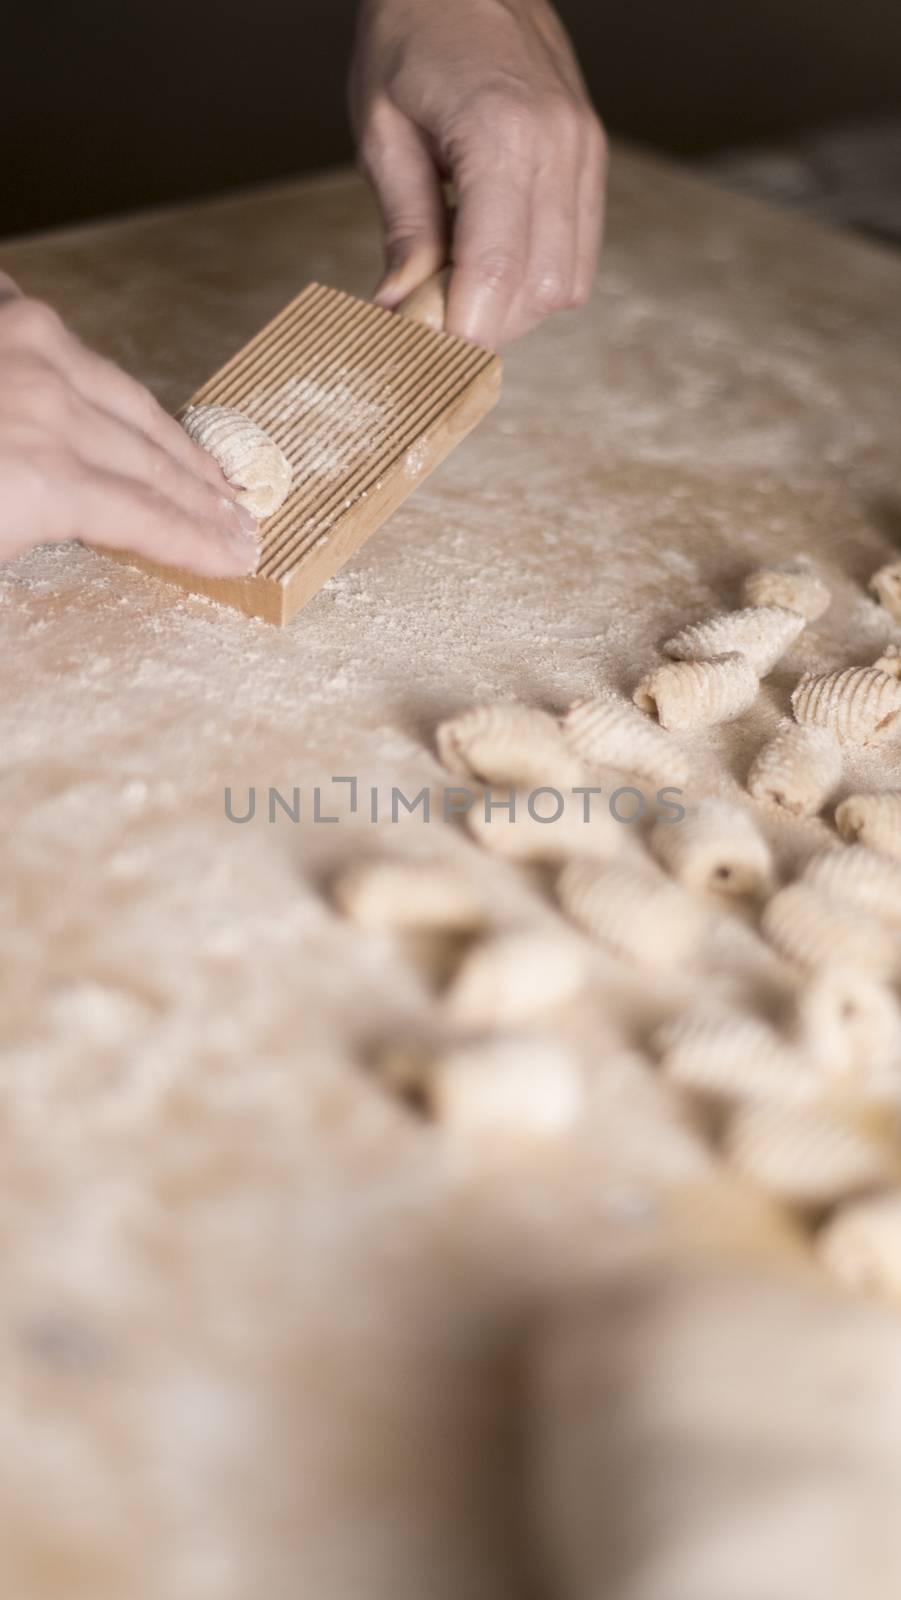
(112, 106)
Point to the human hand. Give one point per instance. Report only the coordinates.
(486, 94)
(86, 453)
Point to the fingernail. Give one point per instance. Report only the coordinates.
(247, 519)
(246, 552)
(389, 292)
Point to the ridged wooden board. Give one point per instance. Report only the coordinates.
(365, 404)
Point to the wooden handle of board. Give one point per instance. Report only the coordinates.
(428, 303)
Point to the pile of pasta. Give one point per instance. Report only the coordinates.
(807, 1106)
(801, 766)
(482, 1070)
(718, 663)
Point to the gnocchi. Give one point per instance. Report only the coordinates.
(715, 846)
(808, 1155)
(607, 731)
(524, 836)
(760, 633)
(508, 978)
(731, 1057)
(401, 895)
(508, 743)
(860, 705)
(810, 930)
(872, 819)
(636, 912)
(689, 695)
(796, 585)
(797, 769)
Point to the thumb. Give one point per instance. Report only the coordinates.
(396, 159)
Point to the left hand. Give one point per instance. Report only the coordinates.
(486, 94)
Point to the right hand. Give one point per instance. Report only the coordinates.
(87, 453)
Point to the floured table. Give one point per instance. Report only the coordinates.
(266, 1331)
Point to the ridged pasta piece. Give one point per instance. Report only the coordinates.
(797, 769)
(890, 661)
(848, 1026)
(246, 454)
(857, 876)
(732, 1057)
(633, 910)
(606, 731)
(885, 584)
(860, 705)
(506, 979)
(505, 1086)
(688, 695)
(526, 839)
(760, 633)
(508, 743)
(861, 1245)
(715, 846)
(402, 895)
(796, 585)
(872, 819)
(811, 931)
(808, 1155)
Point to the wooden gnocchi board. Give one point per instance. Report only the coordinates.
(365, 404)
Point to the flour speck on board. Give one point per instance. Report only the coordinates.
(322, 425)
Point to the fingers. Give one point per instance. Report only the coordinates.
(105, 385)
(31, 326)
(547, 284)
(401, 169)
(493, 170)
(102, 441)
(528, 223)
(115, 511)
(8, 289)
(590, 211)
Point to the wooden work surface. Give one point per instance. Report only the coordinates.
(265, 1334)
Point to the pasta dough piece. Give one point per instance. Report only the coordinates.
(526, 839)
(606, 731)
(873, 819)
(633, 910)
(890, 661)
(860, 705)
(715, 846)
(886, 586)
(247, 455)
(400, 895)
(796, 585)
(760, 633)
(687, 695)
(797, 770)
(861, 1245)
(528, 1087)
(849, 1028)
(508, 743)
(812, 931)
(504, 980)
(808, 1155)
(732, 1057)
(856, 876)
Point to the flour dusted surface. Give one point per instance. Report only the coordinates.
(212, 1214)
